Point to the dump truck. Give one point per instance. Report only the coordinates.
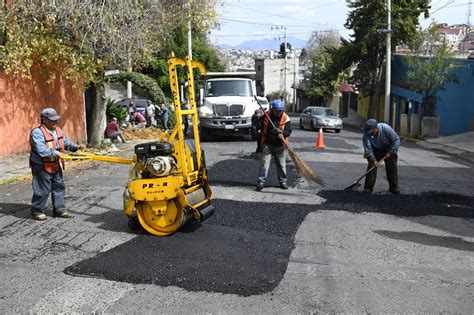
(227, 104)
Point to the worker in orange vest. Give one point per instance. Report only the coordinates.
(272, 143)
(48, 143)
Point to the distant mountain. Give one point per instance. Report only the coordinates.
(267, 44)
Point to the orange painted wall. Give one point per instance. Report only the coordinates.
(21, 101)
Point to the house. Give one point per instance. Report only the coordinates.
(270, 76)
(454, 108)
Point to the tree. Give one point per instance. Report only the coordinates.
(431, 66)
(177, 44)
(322, 83)
(80, 39)
(368, 45)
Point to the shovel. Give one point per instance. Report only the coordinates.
(356, 183)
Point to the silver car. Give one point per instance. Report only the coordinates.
(314, 118)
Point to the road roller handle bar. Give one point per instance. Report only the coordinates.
(83, 155)
(189, 65)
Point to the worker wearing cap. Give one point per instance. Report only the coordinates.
(272, 137)
(48, 143)
(380, 141)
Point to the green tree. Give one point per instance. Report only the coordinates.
(318, 58)
(367, 47)
(177, 43)
(431, 66)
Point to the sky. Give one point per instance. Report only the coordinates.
(243, 20)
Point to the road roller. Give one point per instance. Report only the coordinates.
(168, 184)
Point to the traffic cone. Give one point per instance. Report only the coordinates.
(320, 142)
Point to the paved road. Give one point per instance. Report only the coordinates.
(310, 248)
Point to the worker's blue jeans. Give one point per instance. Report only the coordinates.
(279, 153)
(43, 184)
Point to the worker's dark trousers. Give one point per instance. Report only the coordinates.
(44, 184)
(390, 168)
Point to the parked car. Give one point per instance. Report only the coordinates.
(140, 104)
(314, 118)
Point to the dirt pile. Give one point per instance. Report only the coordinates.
(149, 133)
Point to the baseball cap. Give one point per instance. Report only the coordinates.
(370, 124)
(50, 113)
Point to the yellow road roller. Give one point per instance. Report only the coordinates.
(168, 183)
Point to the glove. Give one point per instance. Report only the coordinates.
(387, 156)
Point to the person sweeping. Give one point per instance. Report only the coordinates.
(274, 134)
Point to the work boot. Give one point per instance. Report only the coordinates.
(394, 191)
(64, 215)
(283, 185)
(40, 217)
(259, 187)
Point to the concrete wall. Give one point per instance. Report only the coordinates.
(270, 72)
(455, 107)
(21, 101)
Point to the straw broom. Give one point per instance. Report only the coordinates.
(301, 167)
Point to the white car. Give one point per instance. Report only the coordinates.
(314, 118)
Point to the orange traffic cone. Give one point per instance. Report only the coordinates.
(320, 141)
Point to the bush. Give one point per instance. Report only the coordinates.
(115, 109)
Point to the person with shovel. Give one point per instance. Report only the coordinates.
(381, 142)
(272, 136)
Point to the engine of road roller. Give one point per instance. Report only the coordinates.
(158, 194)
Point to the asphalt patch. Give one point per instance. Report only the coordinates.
(245, 247)
(429, 203)
(243, 172)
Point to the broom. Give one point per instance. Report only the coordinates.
(300, 165)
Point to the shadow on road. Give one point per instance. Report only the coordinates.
(429, 240)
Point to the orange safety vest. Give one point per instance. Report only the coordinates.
(51, 164)
(283, 120)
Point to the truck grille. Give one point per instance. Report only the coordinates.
(226, 110)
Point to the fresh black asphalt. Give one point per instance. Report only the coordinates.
(245, 247)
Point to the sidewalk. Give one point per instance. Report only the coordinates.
(460, 145)
(16, 167)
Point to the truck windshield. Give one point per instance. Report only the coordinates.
(229, 88)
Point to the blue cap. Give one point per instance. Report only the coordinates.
(370, 124)
(50, 113)
(277, 105)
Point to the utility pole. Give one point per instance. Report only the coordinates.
(186, 5)
(388, 69)
(286, 62)
(190, 43)
(468, 14)
(285, 66)
(294, 81)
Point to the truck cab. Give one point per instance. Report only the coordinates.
(228, 104)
